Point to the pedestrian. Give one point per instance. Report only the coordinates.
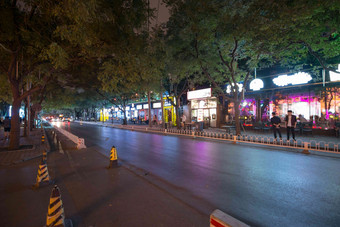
(290, 122)
(7, 127)
(154, 120)
(184, 118)
(276, 121)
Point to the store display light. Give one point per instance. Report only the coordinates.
(297, 78)
(335, 76)
(256, 84)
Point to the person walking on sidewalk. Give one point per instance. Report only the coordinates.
(184, 119)
(290, 122)
(276, 121)
(7, 127)
(154, 120)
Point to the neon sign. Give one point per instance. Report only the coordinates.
(256, 84)
(240, 87)
(297, 78)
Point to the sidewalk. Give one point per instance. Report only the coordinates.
(92, 195)
(32, 143)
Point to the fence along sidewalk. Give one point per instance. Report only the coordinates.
(312, 145)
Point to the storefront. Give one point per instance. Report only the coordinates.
(302, 105)
(157, 110)
(169, 110)
(203, 107)
(142, 111)
(133, 112)
(104, 114)
(308, 98)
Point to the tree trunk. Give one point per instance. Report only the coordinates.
(124, 120)
(25, 121)
(258, 110)
(162, 106)
(178, 120)
(31, 117)
(15, 126)
(237, 116)
(149, 110)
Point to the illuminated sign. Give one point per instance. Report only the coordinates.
(139, 107)
(240, 87)
(198, 94)
(200, 115)
(156, 105)
(256, 84)
(167, 101)
(116, 109)
(297, 78)
(335, 76)
(146, 106)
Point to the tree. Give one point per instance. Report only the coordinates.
(305, 33)
(28, 43)
(219, 40)
(228, 39)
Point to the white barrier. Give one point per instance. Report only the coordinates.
(221, 219)
(79, 141)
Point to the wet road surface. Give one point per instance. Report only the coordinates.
(260, 186)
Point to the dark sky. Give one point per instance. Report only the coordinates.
(163, 14)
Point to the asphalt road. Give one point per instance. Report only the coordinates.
(260, 186)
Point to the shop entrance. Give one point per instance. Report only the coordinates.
(205, 111)
(208, 116)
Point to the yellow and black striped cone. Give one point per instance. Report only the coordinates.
(43, 175)
(113, 158)
(45, 155)
(55, 213)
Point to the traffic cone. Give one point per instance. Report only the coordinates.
(44, 155)
(43, 175)
(55, 213)
(113, 158)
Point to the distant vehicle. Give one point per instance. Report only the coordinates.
(68, 119)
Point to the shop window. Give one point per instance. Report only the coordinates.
(194, 104)
(212, 104)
